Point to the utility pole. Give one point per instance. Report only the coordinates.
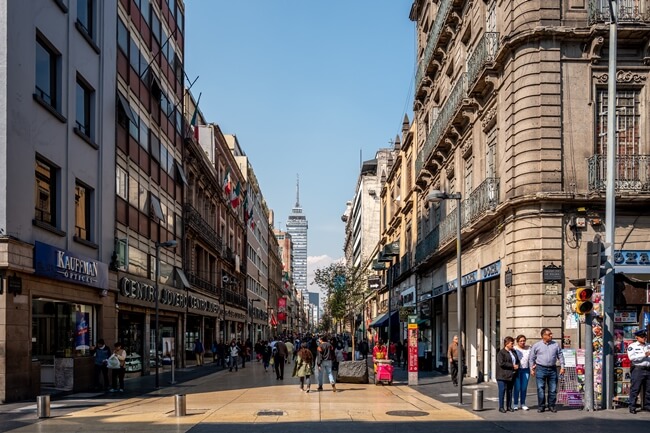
(610, 222)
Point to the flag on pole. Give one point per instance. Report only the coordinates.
(193, 124)
(234, 197)
(227, 187)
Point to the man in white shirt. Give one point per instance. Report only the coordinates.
(639, 354)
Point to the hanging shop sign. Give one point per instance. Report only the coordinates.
(146, 293)
(282, 310)
(493, 270)
(59, 264)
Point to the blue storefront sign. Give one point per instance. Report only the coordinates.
(58, 264)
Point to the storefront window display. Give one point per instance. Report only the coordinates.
(167, 331)
(61, 329)
(131, 335)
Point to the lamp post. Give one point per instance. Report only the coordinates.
(168, 244)
(437, 196)
(250, 331)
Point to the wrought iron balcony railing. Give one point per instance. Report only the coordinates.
(632, 173)
(458, 92)
(405, 262)
(434, 36)
(195, 221)
(629, 11)
(485, 197)
(428, 246)
(204, 284)
(234, 298)
(484, 53)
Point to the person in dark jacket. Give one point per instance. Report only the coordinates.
(507, 366)
(101, 352)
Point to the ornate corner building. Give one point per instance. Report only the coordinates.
(511, 112)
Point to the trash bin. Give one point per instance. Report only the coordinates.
(43, 406)
(180, 405)
(477, 399)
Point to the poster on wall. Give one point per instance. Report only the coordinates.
(82, 336)
(168, 348)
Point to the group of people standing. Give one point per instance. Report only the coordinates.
(106, 360)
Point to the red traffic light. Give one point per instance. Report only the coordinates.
(584, 305)
(584, 294)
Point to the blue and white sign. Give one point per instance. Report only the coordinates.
(53, 262)
(492, 270)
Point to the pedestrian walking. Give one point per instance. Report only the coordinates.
(281, 354)
(507, 365)
(303, 367)
(639, 354)
(198, 352)
(117, 373)
(233, 355)
(452, 356)
(324, 360)
(101, 352)
(544, 356)
(290, 349)
(523, 373)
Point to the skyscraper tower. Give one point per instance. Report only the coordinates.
(297, 228)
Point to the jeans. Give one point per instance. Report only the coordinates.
(325, 368)
(454, 372)
(232, 362)
(117, 374)
(521, 386)
(505, 393)
(546, 375)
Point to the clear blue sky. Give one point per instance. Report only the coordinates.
(309, 87)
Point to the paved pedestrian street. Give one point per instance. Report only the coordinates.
(251, 400)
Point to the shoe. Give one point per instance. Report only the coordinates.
(552, 409)
(540, 409)
(515, 407)
(307, 391)
(455, 384)
(230, 369)
(121, 390)
(524, 407)
(633, 410)
(502, 410)
(112, 390)
(333, 388)
(510, 409)
(320, 388)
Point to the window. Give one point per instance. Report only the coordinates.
(122, 37)
(154, 146)
(122, 183)
(134, 56)
(144, 135)
(82, 195)
(134, 127)
(627, 116)
(133, 191)
(47, 74)
(45, 192)
(84, 107)
(156, 208)
(155, 26)
(85, 12)
(180, 21)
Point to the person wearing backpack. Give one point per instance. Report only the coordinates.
(324, 361)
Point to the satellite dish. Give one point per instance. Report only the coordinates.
(225, 279)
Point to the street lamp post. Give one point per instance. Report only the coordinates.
(250, 331)
(437, 196)
(168, 244)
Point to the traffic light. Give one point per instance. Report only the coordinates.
(584, 304)
(596, 259)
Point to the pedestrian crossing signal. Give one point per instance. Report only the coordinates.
(584, 304)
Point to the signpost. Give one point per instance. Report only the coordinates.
(412, 360)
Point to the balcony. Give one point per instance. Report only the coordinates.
(201, 283)
(234, 299)
(428, 246)
(195, 221)
(633, 173)
(483, 55)
(484, 198)
(405, 263)
(432, 42)
(456, 96)
(629, 11)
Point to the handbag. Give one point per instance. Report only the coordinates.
(272, 361)
(113, 362)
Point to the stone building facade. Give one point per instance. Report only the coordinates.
(510, 106)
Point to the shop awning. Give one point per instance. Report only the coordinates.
(382, 320)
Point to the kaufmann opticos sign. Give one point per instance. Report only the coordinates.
(59, 264)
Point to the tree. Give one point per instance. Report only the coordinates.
(345, 287)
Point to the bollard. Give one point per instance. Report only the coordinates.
(43, 406)
(477, 399)
(180, 405)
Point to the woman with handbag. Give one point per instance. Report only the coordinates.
(117, 369)
(302, 367)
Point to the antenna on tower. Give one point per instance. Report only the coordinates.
(297, 190)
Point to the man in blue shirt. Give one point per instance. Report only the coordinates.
(543, 360)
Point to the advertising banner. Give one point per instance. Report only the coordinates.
(282, 310)
(82, 336)
(412, 344)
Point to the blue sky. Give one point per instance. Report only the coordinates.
(309, 87)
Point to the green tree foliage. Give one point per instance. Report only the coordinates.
(345, 287)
